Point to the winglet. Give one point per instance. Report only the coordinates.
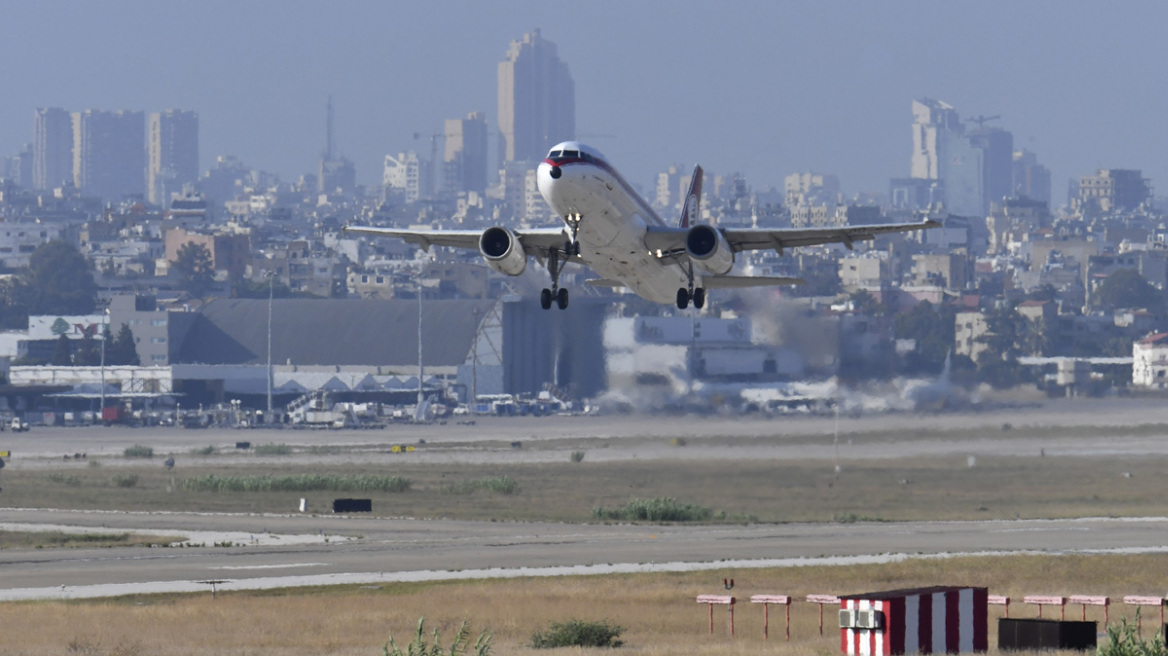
(691, 211)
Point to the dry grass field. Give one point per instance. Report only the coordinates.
(939, 487)
(658, 611)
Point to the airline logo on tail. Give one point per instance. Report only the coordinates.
(691, 212)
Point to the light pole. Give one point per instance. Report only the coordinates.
(104, 332)
(271, 283)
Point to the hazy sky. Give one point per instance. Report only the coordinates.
(763, 88)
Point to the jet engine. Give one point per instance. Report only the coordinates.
(709, 249)
(502, 251)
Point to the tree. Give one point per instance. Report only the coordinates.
(1126, 288)
(121, 350)
(932, 327)
(88, 354)
(194, 268)
(59, 281)
(62, 352)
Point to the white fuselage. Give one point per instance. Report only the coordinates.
(612, 221)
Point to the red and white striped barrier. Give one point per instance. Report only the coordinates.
(1086, 600)
(822, 599)
(999, 600)
(719, 600)
(1133, 600)
(766, 601)
(921, 621)
(1041, 600)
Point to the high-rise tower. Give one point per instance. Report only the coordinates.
(466, 154)
(174, 153)
(52, 148)
(336, 172)
(537, 100)
(109, 153)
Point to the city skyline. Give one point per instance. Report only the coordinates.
(765, 90)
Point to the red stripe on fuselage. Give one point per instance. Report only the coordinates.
(650, 215)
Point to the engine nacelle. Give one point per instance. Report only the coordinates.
(502, 251)
(709, 250)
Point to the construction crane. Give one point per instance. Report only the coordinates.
(981, 120)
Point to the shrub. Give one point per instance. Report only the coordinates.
(138, 451)
(659, 509)
(64, 479)
(419, 647)
(497, 484)
(273, 449)
(125, 480)
(301, 483)
(203, 451)
(577, 456)
(1124, 640)
(577, 633)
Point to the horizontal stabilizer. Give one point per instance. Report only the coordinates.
(738, 282)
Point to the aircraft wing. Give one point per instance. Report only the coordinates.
(671, 241)
(738, 282)
(536, 241)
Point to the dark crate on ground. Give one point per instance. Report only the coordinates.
(352, 505)
(1029, 634)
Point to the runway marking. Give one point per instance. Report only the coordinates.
(283, 566)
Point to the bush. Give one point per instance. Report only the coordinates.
(419, 647)
(301, 483)
(273, 450)
(1124, 640)
(125, 480)
(497, 484)
(204, 451)
(138, 451)
(578, 633)
(577, 456)
(660, 509)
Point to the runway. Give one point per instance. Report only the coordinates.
(267, 551)
(377, 550)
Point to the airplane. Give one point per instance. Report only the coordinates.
(610, 229)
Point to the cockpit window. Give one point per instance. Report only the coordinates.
(555, 154)
(571, 153)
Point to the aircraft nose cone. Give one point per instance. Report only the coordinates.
(555, 173)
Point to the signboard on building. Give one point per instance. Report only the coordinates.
(52, 326)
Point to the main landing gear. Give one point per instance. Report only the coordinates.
(686, 295)
(555, 265)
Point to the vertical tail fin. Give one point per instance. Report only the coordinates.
(691, 210)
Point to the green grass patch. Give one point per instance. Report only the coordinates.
(659, 509)
(577, 633)
(496, 484)
(63, 479)
(203, 451)
(297, 483)
(138, 451)
(124, 480)
(272, 450)
(60, 540)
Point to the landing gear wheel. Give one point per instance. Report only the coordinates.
(699, 297)
(545, 298)
(562, 298)
(682, 298)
